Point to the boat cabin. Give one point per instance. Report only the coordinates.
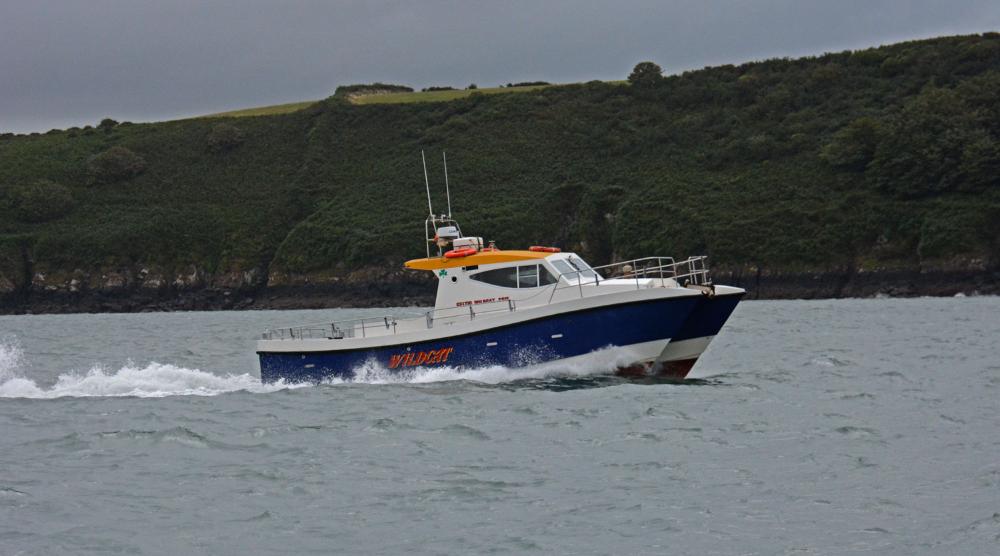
(523, 277)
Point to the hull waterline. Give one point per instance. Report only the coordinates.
(698, 331)
(639, 329)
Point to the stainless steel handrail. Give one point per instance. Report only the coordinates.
(691, 271)
(352, 328)
(693, 268)
(348, 328)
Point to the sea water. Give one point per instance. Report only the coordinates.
(826, 427)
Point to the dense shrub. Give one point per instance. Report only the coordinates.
(225, 137)
(445, 88)
(40, 201)
(114, 164)
(361, 88)
(853, 147)
(934, 145)
(107, 124)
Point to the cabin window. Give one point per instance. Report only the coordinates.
(582, 266)
(573, 268)
(527, 276)
(564, 268)
(504, 277)
(524, 276)
(545, 277)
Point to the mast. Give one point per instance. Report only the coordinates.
(427, 184)
(447, 189)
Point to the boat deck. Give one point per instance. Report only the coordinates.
(648, 272)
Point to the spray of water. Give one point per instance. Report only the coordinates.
(600, 362)
(10, 359)
(149, 381)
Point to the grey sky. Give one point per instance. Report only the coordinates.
(66, 62)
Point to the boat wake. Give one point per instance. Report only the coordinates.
(603, 362)
(157, 380)
(154, 380)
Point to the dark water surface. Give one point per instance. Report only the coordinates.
(818, 427)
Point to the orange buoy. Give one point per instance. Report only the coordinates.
(456, 253)
(539, 248)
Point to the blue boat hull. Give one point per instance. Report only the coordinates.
(708, 316)
(515, 345)
(705, 321)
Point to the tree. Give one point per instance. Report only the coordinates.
(115, 164)
(645, 74)
(935, 144)
(853, 146)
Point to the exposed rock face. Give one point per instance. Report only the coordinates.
(7, 286)
(192, 278)
(762, 284)
(149, 288)
(114, 282)
(240, 279)
(364, 287)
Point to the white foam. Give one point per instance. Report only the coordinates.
(155, 380)
(600, 362)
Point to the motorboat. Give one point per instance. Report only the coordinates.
(516, 308)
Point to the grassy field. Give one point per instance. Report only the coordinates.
(440, 96)
(264, 110)
(390, 98)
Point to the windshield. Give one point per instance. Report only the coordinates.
(573, 268)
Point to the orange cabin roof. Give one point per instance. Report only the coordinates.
(488, 257)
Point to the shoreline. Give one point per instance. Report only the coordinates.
(760, 285)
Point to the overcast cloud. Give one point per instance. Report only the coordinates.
(66, 63)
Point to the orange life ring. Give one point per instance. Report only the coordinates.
(456, 253)
(539, 248)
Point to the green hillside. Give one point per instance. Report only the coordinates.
(885, 158)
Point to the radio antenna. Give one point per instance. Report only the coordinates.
(427, 184)
(447, 190)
